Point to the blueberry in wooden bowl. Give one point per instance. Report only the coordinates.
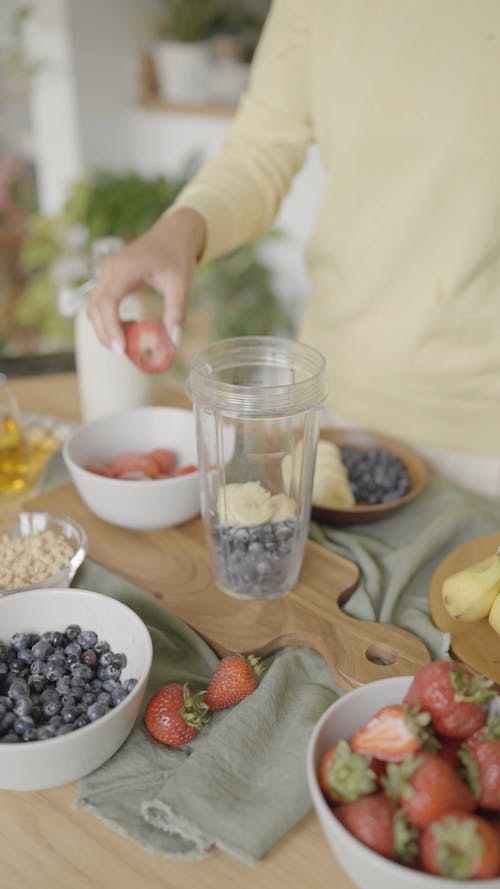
(384, 474)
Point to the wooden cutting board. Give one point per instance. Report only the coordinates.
(476, 644)
(173, 566)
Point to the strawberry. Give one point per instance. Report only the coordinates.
(345, 776)
(449, 750)
(370, 820)
(393, 733)
(164, 459)
(481, 757)
(234, 678)
(174, 716)
(148, 345)
(376, 823)
(186, 470)
(131, 461)
(426, 787)
(456, 698)
(99, 469)
(460, 846)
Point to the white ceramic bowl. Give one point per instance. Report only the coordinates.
(366, 868)
(35, 765)
(141, 505)
(25, 524)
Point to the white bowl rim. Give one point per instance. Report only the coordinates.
(132, 694)
(427, 881)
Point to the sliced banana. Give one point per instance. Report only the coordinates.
(246, 504)
(331, 487)
(332, 491)
(283, 508)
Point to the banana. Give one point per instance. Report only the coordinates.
(244, 504)
(331, 487)
(494, 615)
(469, 594)
(283, 508)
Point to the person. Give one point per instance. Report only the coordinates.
(402, 99)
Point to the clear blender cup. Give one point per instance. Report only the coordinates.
(257, 403)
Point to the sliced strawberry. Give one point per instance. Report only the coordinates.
(393, 733)
(456, 698)
(164, 459)
(135, 476)
(148, 346)
(345, 776)
(461, 846)
(186, 470)
(99, 469)
(131, 461)
(426, 787)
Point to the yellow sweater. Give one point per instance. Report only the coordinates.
(403, 99)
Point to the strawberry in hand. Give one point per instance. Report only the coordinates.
(460, 846)
(234, 678)
(456, 698)
(393, 733)
(174, 716)
(148, 346)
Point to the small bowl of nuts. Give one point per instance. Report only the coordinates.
(38, 549)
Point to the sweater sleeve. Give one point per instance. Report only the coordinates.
(239, 192)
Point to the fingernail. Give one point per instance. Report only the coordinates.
(117, 347)
(175, 334)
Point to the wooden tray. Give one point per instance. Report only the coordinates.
(173, 566)
(476, 644)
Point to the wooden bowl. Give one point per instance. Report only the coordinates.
(474, 643)
(365, 512)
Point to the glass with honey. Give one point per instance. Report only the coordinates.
(20, 462)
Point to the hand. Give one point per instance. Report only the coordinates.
(164, 258)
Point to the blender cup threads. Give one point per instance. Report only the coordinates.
(257, 403)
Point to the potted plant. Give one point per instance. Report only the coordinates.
(182, 59)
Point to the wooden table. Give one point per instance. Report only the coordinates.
(48, 845)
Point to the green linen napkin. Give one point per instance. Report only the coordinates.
(398, 555)
(238, 786)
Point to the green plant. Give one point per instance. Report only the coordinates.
(190, 20)
(237, 290)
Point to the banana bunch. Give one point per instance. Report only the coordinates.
(474, 593)
(248, 503)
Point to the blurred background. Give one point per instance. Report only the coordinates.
(106, 108)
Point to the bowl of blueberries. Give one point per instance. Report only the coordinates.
(379, 473)
(74, 665)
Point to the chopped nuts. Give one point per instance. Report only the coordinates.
(26, 561)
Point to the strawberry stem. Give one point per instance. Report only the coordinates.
(471, 689)
(459, 847)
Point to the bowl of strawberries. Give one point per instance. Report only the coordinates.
(137, 468)
(404, 776)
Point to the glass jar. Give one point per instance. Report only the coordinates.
(257, 403)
